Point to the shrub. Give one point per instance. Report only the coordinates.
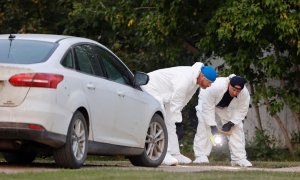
(263, 149)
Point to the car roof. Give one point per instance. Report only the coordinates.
(41, 37)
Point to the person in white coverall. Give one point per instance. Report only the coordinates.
(173, 88)
(229, 99)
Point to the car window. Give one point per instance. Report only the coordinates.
(87, 61)
(25, 51)
(115, 70)
(68, 61)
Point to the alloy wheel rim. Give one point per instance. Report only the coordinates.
(155, 141)
(78, 139)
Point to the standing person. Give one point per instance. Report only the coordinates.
(173, 88)
(228, 99)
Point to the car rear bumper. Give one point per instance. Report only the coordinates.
(13, 133)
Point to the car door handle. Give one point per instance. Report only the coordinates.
(121, 94)
(91, 86)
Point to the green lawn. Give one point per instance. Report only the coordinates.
(116, 173)
(99, 169)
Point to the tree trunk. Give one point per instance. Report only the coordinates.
(283, 129)
(256, 108)
(297, 119)
(295, 114)
(285, 133)
(283, 85)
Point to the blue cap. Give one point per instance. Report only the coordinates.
(209, 72)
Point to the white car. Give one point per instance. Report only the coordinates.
(68, 97)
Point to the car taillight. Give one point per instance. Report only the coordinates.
(44, 80)
(36, 127)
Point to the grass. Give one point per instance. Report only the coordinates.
(116, 173)
(112, 168)
(121, 161)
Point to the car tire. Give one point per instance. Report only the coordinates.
(73, 153)
(156, 144)
(19, 157)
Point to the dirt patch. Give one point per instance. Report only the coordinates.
(34, 167)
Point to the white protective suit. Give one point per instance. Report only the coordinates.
(235, 112)
(173, 88)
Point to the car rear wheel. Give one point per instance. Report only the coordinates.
(74, 152)
(19, 157)
(156, 144)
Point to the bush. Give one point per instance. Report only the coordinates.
(263, 149)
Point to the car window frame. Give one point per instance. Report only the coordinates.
(115, 58)
(75, 60)
(129, 74)
(70, 50)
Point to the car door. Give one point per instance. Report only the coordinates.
(99, 91)
(130, 106)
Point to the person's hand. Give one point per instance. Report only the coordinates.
(227, 126)
(214, 130)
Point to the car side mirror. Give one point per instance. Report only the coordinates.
(140, 78)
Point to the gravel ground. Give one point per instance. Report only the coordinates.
(226, 168)
(35, 167)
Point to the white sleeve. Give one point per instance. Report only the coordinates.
(207, 101)
(242, 108)
(178, 97)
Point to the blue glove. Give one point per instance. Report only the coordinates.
(227, 126)
(214, 130)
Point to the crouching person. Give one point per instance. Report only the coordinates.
(173, 88)
(229, 99)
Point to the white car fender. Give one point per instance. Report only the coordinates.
(77, 99)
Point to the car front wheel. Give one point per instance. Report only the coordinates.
(156, 144)
(74, 152)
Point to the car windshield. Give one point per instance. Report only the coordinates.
(25, 51)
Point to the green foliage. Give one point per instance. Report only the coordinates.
(263, 149)
(295, 137)
(296, 143)
(147, 35)
(260, 40)
(33, 16)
